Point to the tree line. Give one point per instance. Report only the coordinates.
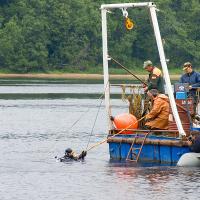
(48, 35)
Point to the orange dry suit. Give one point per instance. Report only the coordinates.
(158, 116)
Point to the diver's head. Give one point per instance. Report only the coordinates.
(68, 151)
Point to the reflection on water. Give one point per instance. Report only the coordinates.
(159, 182)
(56, 91)
(51, 88)
(55, 96)
(21, 81)
(17, 81)
(35, 130)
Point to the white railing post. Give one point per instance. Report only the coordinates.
(105, 66)
(152, 8)
(165, 70)
(125, 5)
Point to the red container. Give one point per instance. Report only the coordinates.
(182, 107)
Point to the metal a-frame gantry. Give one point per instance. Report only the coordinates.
(105, 8)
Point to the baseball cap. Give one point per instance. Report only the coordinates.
(186, 65)
(147, 63)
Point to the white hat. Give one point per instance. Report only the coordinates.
(147, 63)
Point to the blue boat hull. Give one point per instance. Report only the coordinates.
(150, 152)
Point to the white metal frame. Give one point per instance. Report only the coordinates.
(152, 8)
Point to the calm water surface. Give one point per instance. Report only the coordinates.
(34, 131)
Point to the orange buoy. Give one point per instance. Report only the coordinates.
(125, 121)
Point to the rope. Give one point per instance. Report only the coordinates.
(128, 71)
(105, 140)
(96, 116)
(94, 123)
(76, 121)
(83, 114)
(53, 146)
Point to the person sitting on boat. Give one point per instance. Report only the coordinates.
(155, 79)
(194, 143)
(193, 78)
(158, 117)
(71, 155)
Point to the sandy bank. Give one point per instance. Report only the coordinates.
(78, 76)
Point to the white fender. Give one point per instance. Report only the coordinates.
(189, 160)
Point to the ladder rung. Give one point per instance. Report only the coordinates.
(136, 148)
(131, 160)
(135, 155)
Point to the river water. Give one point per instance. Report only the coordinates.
(39, 121)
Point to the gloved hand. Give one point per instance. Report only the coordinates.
(111, 118)
(148, 119)
(144, 85)
(83, 154)
(145, 89)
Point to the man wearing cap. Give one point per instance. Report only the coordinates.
(155, 79)
(191, 77)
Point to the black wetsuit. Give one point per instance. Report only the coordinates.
(71, 157)
(195, 147)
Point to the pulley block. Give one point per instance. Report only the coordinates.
(129, 24)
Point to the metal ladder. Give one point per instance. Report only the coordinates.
(132, 150)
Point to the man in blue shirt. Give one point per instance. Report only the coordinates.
(193, 78)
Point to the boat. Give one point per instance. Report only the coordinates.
(138, 145)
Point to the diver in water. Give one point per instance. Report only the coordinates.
(71, 155)
(194, 143)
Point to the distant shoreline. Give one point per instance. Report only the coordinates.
(78, 76)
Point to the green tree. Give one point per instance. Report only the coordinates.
(43, 35)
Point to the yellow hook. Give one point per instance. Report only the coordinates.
(129, 23)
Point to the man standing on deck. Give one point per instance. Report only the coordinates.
(193, 78)
(155, 79)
